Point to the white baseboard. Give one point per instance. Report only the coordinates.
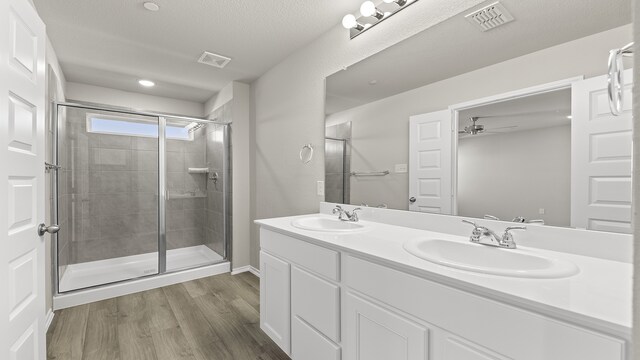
(48, 319)
(248, 268)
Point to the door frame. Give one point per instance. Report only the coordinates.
(493, 99)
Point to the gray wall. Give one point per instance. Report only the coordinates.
(516, 174)
(288, 109)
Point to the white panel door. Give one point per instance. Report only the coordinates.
(430, 177)
(275, 300)
(376, 333)
(600, 157)
(22, 123)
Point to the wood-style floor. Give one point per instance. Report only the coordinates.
(206, 319)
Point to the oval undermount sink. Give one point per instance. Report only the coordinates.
(490, 260)
(318, 223)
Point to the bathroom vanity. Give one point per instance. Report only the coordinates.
(331, 291)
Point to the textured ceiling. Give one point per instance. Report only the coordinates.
(455, 47)
(114, 42)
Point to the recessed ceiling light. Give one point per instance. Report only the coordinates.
(146, 83)
(151, 6)
(569, 117)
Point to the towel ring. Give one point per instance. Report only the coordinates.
(306, 153)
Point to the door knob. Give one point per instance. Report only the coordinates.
(51, 229)
(412, 199)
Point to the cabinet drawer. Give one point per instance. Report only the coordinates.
(320, 260)
(316, 301)
(523, 335)
(308, 344)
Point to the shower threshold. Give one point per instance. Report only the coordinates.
(141, 271)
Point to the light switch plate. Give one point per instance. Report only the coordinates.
(401, 168)
(320, 188)
(541, 211)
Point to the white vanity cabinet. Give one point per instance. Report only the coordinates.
(340, 306)
(309, 327)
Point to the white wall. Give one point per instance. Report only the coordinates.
(288, 103)
(381, 127)
(516, 174)
(241, 176)
(131, 100)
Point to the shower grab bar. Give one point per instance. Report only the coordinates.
(374, 173)
(615, 79)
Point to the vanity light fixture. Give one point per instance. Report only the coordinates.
(372, 13)
(368, 8)
(349, 22)
(146, 83)
(399, 2)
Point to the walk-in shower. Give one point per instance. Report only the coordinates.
(136, 195)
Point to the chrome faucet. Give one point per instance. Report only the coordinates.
(345, 215)
(485, 236)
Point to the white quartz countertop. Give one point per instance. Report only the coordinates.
(599, 296)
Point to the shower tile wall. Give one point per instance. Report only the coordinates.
(214, 226)
(186, 217)
(112, 202)
(336, 176)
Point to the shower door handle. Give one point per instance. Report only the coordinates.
(51, 229)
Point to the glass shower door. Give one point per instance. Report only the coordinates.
(107, 191)
(195, 193)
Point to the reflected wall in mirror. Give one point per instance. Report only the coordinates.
(511, 123)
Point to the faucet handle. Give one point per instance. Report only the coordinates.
(509, 228)
(470, 222)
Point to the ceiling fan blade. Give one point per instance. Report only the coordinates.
(504, 127)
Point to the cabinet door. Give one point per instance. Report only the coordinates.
(448, 346)
(308, 344)
(376, 333)
(275, 309)
(316, 301)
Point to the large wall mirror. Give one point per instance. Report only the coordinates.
(512, 123)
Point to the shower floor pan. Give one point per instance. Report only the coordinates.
(101, 272)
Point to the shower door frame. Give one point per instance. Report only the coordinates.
(346, 175)
(162, 188)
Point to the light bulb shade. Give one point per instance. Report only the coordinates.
(349, 21)
(368, 8)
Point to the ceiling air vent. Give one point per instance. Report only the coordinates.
(212, 59)
(490, 17)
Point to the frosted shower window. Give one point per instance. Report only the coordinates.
(98, 123)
